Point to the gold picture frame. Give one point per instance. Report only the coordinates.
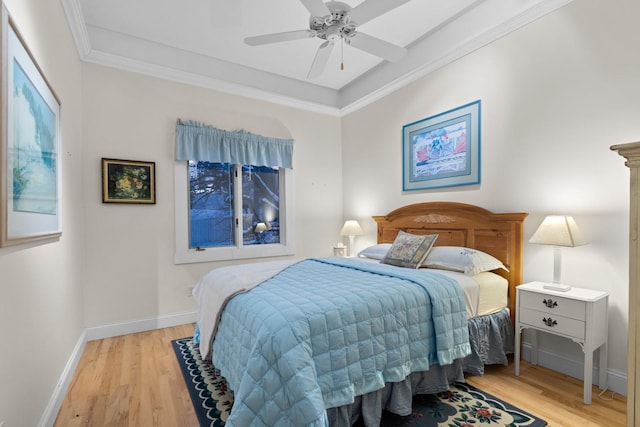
(128, 181)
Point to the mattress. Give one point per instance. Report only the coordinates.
(493, 293)
(485, 293)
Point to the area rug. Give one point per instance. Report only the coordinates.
(462, 406)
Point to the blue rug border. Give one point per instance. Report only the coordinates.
(186, 375)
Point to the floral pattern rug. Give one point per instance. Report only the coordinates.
(461, 406)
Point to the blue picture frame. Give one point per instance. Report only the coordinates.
(30, 170)
(442, 150)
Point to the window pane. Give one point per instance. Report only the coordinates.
(210, 204)
(260, 204)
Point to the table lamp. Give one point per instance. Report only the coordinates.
(557, 231)
(352, 229)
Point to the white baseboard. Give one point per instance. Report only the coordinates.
(616, 381)
(141, 325)
(50, 413)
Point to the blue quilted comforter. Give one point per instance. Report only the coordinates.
(325, 330)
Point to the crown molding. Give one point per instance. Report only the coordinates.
(465, 33)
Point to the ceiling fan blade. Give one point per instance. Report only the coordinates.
(370, 9)
(320, 60)
(377, 47)
(316, 7)
(279, 37)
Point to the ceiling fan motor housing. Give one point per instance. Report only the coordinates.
(335, 26)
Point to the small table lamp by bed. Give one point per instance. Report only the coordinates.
(352, 229)
(557, 231)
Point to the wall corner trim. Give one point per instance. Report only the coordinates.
(50, 413)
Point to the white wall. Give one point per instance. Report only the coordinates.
(555, 95)
(41, 307)
(130, 269)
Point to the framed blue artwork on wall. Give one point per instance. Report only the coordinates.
(30, 178)
(442, 150)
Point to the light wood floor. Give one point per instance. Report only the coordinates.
(134, 380)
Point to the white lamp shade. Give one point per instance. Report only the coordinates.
(351, 228)
(261, 227)
(558, 230)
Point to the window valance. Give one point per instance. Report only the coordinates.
(197, 141)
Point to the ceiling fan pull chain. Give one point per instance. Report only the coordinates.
(342, 55)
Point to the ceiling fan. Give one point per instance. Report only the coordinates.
(336, 22)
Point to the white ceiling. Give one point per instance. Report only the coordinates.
(200, 42)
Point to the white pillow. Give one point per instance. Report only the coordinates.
(375, 251)
(456, 258)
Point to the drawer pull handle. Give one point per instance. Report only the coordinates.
(549, 322)
(550, 303)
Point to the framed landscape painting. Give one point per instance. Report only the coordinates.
(128, 181)
(30, 181)
(442, 150)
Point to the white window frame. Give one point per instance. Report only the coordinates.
(186, 255)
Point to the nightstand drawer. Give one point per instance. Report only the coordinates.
(552, 322)
(553, 305)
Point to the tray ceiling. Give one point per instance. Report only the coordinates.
(200, 42)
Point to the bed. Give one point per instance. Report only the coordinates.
(326, 341)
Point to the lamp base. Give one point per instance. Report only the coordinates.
(557, 287)
(352, 246)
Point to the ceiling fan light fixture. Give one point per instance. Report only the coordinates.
(349, 30)
(333, 33)
(316, 21)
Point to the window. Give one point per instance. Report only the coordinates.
(260, 205)
(211, 214)
(227, 210)
(212, 218)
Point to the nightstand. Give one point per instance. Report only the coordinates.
(578, 314)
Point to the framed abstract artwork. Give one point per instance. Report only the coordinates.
(128, 181)
(30, 178)
(442, 150)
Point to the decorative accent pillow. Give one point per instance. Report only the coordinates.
(456, 258)
(376, 251)
(409, 250)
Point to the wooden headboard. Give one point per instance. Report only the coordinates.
(459, 224)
